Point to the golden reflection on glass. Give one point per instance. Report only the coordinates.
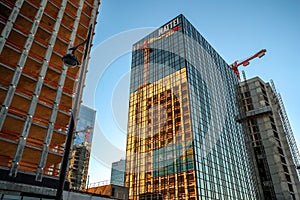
(159, 148)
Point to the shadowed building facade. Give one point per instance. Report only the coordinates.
(183, 141)
(37, 90)
(274, 146)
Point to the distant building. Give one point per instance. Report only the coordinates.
(113, 191)
(85, 125)
(79, 163)
(37, 89)
(274, 147)
(118, 173)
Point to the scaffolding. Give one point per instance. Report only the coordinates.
(36, 89)
(288, 131)
(79, 166)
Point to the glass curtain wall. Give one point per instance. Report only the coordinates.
(183, 141)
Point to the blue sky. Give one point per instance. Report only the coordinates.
(236, 29)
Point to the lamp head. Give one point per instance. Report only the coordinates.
(70, 60)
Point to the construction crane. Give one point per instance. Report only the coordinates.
(234, 66)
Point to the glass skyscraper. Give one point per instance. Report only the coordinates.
(117, 173)
(85, 125)
(183, 141)
(79, 163)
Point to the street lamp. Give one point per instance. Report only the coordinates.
(71, 60)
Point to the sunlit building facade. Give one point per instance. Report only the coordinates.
(37, 91)
(183, 141)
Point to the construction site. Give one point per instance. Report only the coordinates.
(272, 143)
(81, 150)
(39, 93)
(37, 90)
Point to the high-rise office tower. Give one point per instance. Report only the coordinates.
(118, 173)
(79, 163)
(274, 147)
(183, 141)
(85, 125)
(36, 88)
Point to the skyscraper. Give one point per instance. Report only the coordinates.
(183, 141)
(118, 173)
(79, 163)
(274, 147)
(85, 125)
(37, 89)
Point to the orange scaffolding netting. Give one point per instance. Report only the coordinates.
(24, 90)
(3, 18)
(62, 37)
(8, 2)
(4, 82)
(74, 3)
(13, 135)
(42, 98)
(36, 118)
(30, 72)
(36, 56)
(5, 160)
(52, 171)
(35, 3)
(27, 166)
(14, 45)
(17, 112)
(40, 40)
(56, 2)
(59, 67)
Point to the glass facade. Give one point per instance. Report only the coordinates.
(118, 173)
(183, 141)
(87, 117)
(81, 150)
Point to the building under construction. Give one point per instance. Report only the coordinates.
(274, 148)
(36, 88)
(79, 163)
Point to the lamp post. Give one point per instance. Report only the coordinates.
(71, 60)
